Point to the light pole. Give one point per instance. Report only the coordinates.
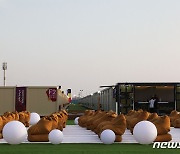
(4, 67)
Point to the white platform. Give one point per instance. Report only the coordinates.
(77, 134)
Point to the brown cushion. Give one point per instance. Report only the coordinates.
(132, 114)
(1, 124)
(174, 115)
(40, 131)
(118, 138)
(44, 126)
(83, 119)
(162, 124)
(118, 128)
(98, 114)
(152, 116)
(115, 121)
(24, 117)
(106, 117)
(140, 117)
(177, 123)
(38, 138)
(163, 138)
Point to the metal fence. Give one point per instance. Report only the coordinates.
(103, 100)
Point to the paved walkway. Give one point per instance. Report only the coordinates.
(77, 134)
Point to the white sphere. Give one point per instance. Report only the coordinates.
(14, 132)
(76, 120)
(34, 118)
(55, 136)
(145, 132)
(108, 136)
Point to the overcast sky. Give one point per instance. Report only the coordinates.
(82, 44)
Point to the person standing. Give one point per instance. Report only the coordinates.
(152, 105)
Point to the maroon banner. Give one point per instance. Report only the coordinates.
(52, 94)
(20, 104)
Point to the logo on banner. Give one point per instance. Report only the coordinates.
(20, 99)
(52, 94)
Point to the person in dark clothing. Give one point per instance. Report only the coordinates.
(156, 103)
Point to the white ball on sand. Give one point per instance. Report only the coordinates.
(34, 118)
(14, 132)
(108, 136)
(145, 132)
(76, 120)
(55, 136)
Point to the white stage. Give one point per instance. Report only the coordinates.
(77, 134)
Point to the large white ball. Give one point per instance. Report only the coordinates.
(55, 136)
(76, 120)
(108, 136)
(14, 132)
(34, 118)
(145, 132)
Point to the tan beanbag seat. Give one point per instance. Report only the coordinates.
(1, 127)
(62, 118)
(83, 119)
(152, 116)
(38, 138)
(24, 117)
(111, 121)
(163, 127)
(98, 114)
(140, 117)
(65, 117)
(177, 123)
(174, 115)
(118, 126)
(132, 114)
(162, 124)
(39, 132)
(107, 117)
(10, 116)
(163, 138)
(1, 135)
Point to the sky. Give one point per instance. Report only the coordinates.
(83, 44)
